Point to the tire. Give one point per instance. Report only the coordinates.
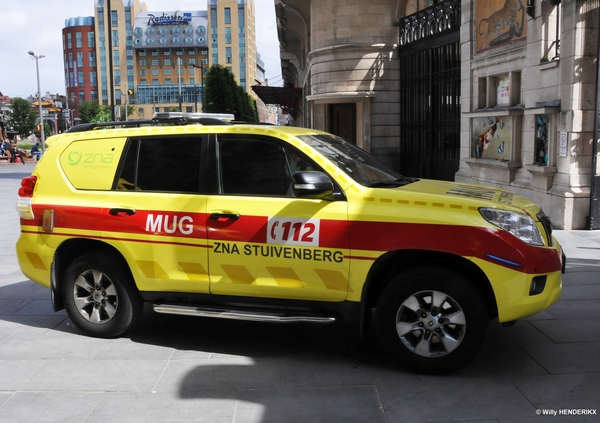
(432, 320)
(100, 297)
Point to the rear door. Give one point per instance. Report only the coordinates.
(264, 242)
(155, 214)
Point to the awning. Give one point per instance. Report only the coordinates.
(45, 103)
(288, 98)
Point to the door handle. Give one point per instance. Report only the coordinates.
(224, 214)
(120, 211)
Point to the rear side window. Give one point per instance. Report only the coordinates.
(162, 164)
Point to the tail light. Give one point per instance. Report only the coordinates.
(25, 197)
(27, 186)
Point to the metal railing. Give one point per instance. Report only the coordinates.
(435, 20)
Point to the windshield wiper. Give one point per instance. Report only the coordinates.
(403, 180)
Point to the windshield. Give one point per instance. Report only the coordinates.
(355, 162)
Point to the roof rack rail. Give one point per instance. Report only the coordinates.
(173, 118)
(82, 127)
(193, 117)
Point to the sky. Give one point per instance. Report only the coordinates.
(37, 25)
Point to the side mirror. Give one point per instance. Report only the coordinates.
(312, 184)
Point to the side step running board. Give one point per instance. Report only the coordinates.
(256, 316)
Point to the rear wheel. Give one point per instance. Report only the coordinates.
(432, 319)
(100, 297)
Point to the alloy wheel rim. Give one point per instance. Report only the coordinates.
(95, 297)
(431, 324)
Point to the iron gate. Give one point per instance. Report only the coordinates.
(430, 92)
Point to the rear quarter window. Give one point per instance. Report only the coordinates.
(92, 164)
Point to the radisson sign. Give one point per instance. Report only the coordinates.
(173, 19)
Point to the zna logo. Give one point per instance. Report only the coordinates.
(74, 157)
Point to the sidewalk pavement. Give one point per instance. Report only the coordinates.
(181, 369)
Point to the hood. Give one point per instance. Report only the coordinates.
(481, 196)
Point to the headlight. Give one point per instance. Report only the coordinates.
(520, 225)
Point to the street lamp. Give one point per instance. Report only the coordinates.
(37, 70)
(201, 67)
(179, 81)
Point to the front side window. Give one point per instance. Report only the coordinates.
(251, 166)
(161, 164)
(355, 162)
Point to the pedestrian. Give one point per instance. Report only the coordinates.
(35, 151)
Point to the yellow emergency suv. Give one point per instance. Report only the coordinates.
(201, 217)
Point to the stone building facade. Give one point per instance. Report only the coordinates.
(522, 116)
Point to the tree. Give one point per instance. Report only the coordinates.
(104, 114)
(220, 96)
(88, 110)
(21, 117)
(224, 95)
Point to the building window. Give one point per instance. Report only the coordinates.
(228, 58)
(117, 75)
(115, 38)
(542, 123)
(93, 79)
(78, 41)
(142, 72)
(552, 30)
(116, 58)
(69, 42)
(168, 81)
(227, 16)
(167, 72)
(155, 53)
(143, 62)
(167, 62)
(154, 62)
(114, 18)
(94, 95)
(91, 39)
(499, 90)
(228, 35)
(142, 53)
(154, 72)
(81, 96)
(92, 59)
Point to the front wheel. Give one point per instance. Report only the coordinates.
(100, 297)
(432, 319)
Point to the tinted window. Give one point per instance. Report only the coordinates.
(170, 164)
(258, 167)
